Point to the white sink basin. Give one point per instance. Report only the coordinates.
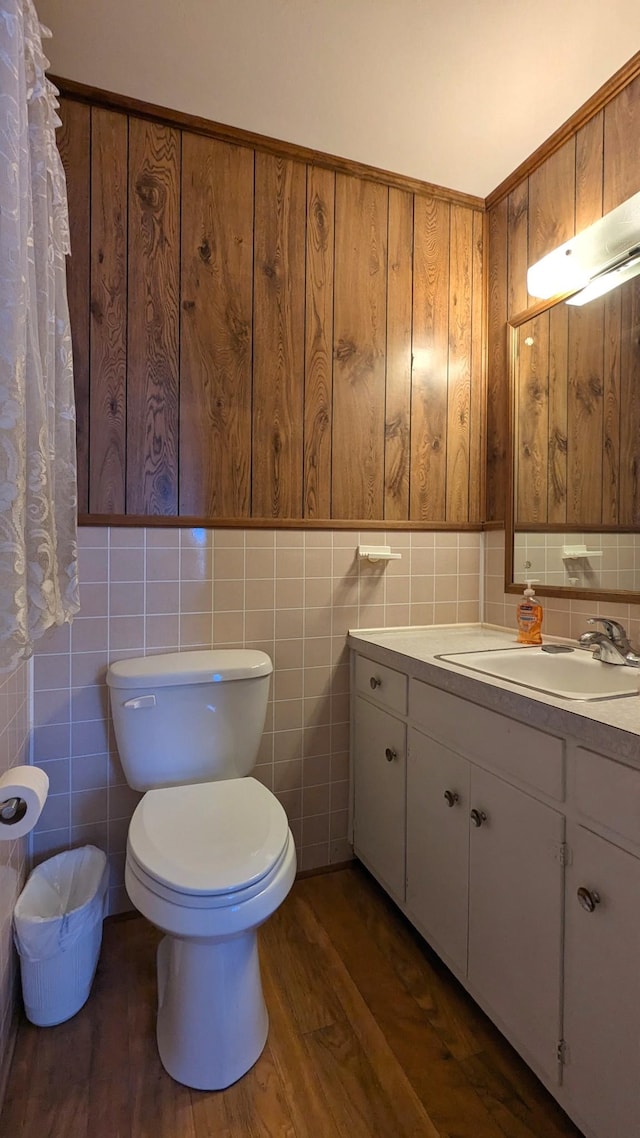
(572, 674)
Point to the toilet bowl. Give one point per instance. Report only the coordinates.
(207, 861)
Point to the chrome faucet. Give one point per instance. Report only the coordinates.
(611, 646)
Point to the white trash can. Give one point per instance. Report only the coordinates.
(58, 932)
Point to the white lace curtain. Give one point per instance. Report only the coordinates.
(38, 550)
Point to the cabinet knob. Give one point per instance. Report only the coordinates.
(451, 797)
(390, 754)
(375, 682)
(478, 817)
(588, 898)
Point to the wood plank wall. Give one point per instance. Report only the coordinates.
(576, 431)
(595, 169)
(262, 338)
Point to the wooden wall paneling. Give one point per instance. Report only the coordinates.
(398, 373)
(427, 500)
(518, 249)
(601, 424)
(497, 403)
(153, 322)
(589, 172)
(459, 364)
(216, 328)
(359, 348)
(318, 386)
(585, 415)
(279, 337)
(253, 141)
(477, 405)
(611, 409)
(74, 144)
(630, 407)
(621, 151)
(557, 447)
(552, 196)
(109, 307)
(532, 423)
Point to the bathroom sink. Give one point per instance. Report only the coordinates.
(569, 673)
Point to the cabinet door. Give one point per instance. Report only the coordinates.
(438, 846)
(515, 914)
(379, 794)
(602, 986)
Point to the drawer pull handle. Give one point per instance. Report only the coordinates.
(478, 817)
(588, 898)
(451, 797)
(390, 754)
(375, 682)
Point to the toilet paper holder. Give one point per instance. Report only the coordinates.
(12, 810)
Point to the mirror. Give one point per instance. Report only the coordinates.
(575, 447)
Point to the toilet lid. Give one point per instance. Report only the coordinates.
(212, 837)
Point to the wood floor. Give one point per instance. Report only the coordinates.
(370, 1037)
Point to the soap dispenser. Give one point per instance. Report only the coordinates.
(529, 617)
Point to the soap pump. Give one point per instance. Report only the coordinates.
(529, 617)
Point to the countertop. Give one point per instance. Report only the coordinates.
(611, 726)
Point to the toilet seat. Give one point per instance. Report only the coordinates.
(207, 844)
(201, 901)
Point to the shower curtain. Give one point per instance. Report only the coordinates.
(38, 497)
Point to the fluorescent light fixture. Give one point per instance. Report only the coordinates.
(608, 248)
(608, 280)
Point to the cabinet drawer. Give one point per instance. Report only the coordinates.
(387, 687)
(527, 754)
(608, 792)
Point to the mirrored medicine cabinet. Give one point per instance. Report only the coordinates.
(573, 510)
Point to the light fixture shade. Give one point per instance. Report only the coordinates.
(606, 282)
(608, 245)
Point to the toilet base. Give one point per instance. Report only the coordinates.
(212, 1019)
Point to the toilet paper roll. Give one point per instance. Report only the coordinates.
(30, 786)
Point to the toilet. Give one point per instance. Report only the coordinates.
(209, 853)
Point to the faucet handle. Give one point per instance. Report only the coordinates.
(614, 630)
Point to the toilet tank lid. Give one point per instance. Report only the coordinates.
(174, 668)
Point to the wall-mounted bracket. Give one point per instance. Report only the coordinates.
(375, 553)
(579, 552)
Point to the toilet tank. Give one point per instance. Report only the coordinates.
(185, 717)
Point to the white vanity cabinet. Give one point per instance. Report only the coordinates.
(602, 985)
(438, 804)
(379, 773)
(602, 945)
(516, 883)
(485, 886)
(516, 852)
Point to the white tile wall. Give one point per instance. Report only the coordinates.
(562, 616)
(541, 555)
(14, 750)
(293, 594)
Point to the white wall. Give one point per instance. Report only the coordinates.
(452, 91)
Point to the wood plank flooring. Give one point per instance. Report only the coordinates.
(370, 1037)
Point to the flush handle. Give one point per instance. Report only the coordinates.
(140, 701)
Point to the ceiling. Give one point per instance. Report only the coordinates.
(456, 92)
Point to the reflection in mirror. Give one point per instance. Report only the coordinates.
(576, 444)
(577, 560)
